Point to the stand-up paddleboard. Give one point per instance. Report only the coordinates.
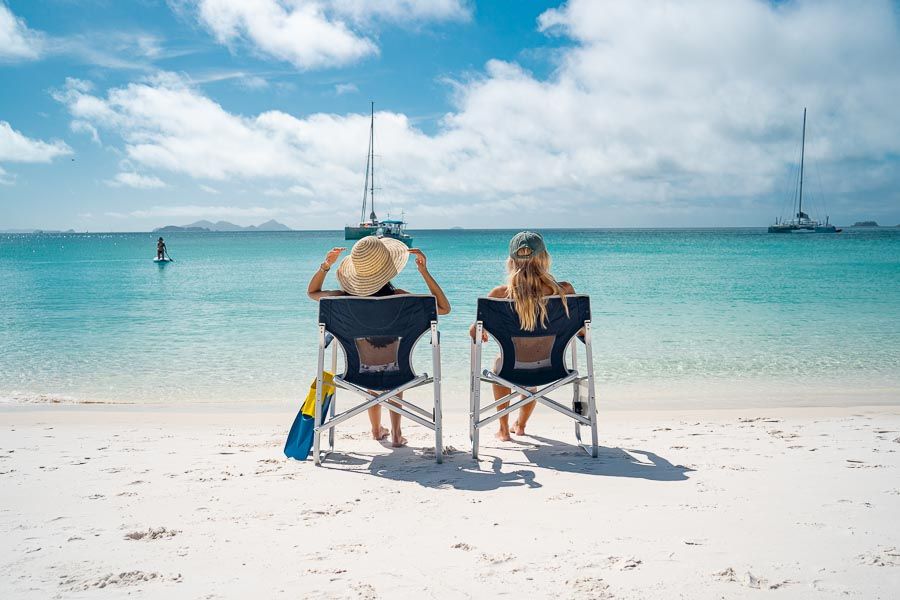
(162, 261)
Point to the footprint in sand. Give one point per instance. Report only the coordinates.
(462, 546)
(882, 557)
(562, 496)
(624, 564)
(859, 464)
(750, 580)
(330, 511)
(590, 587)
(365, 591)
(152, 534)
(497, 559)
(123, 579)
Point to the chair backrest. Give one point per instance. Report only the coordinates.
(378, 335)
(536, 357)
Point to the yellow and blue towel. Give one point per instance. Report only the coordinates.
(300, 437)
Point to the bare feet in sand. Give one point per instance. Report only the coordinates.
(503, 435)
(380, 433)
(397, 440)
(517, 429)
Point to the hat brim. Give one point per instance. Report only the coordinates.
(356, 285)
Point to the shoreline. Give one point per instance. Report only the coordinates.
(710, 394)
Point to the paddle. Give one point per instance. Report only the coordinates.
(167, 255)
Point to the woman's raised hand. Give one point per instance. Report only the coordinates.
(421, 260)
(333, 255)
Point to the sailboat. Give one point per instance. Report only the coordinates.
(802, 223)
(392, 228)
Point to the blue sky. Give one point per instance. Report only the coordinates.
(130, 115)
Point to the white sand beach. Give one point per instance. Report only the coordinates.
(109, 501)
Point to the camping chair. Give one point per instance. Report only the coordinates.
(377, 336)
(535, 359)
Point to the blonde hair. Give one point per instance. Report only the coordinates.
(529, 276)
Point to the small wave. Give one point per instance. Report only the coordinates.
(27, 398)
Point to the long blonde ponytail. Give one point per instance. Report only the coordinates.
(529, 276)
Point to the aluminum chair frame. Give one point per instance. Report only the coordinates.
(388, 398)
(579, 383)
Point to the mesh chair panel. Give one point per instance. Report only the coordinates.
(532, 358)
(378, 335)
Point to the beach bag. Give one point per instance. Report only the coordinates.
(300, 437)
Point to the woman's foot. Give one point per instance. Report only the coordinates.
(397, 439)
(380, 433)
(503, 435)
(518, 429)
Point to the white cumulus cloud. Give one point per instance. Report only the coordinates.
(137, 181)
(17, 41)
(312, 34)
(16, 147)
(300, 33)
(678, 110)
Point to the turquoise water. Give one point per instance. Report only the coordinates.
(90, 317)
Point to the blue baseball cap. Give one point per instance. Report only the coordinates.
(526, 239)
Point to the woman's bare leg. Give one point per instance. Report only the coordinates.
(524, 415)
(499, 392)
(378, 432)
(397, 439)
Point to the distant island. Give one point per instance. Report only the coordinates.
(865, 224)
(207, 226)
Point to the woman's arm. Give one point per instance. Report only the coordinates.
(443, 305)
(497, 292)
(314, 289)
(568, 289)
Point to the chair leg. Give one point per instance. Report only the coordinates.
(473, 418)
(332, 410)
(331, 416)
(438, 416)
(438, 427)
(592, 400)
(320, 385)
(472, 385)
(475, 394)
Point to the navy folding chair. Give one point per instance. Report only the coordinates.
(532, 363)
(377, 336)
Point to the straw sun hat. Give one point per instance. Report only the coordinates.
(372, 263)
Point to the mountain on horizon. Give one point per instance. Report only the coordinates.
(204, 225)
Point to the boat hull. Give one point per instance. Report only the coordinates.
(358, 233)
(803, 229)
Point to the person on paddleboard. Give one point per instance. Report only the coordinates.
(160, 249)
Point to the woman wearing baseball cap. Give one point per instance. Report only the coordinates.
(368, 271)
(528, 284)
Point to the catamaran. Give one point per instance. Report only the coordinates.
(392, 228)
(802, 223)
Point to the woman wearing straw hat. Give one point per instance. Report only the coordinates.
(368, 271)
